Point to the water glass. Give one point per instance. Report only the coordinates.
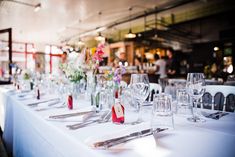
(131, 113)
(162, 115)
(183, 101)
(195, 86)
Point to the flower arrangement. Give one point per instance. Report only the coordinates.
(116, 75)
(26, 74)
(94, 57)
(73, 72)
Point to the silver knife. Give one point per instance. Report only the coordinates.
(115, 141)
(36, 103)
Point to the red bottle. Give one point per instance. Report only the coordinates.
(38, 93)
(70, 102)
(117, 111)
(18, 87)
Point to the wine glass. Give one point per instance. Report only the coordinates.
(195, 86)
(139, 85)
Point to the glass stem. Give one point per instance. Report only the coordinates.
(195, 102)
(140, 102)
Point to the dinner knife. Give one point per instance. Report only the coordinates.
(104, 118)
(62, 116)
(44, 101)
(124, 139)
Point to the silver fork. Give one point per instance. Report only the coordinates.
(104, 118)
(54, 107)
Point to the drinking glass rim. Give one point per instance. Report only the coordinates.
(163, 94)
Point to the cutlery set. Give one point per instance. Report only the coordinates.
(34, 104)
(62, 116)
(216, 115)
(52, 106)
(103, 119)
(119, 140)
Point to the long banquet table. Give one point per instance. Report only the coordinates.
(28, 133)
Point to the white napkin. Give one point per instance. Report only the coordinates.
(80, 118)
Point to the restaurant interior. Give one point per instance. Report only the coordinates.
(71, 70)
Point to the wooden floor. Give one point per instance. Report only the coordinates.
(2, 148)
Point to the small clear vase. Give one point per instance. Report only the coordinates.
(90, 85)
(26, 85)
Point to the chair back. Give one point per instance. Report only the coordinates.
(229, 83)
(219, 97)
(213, 82)
(154, 89)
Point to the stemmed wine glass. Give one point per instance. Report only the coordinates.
(195, 86)
(139, 85)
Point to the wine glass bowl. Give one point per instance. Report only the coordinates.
(195, 86)
(140, 89)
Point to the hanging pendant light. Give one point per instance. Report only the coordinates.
(99, 37)
(37, 7)
(130, 35)
(80, 42)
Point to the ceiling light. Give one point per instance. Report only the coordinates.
(70, 49)
(130, 35)
(33, 50)
(80, 42)
(216, 48)
(37, 7)
(99, 37)
(6, 48)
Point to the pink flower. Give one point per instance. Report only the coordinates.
(98, 56)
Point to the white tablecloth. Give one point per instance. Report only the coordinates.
(28, 134)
